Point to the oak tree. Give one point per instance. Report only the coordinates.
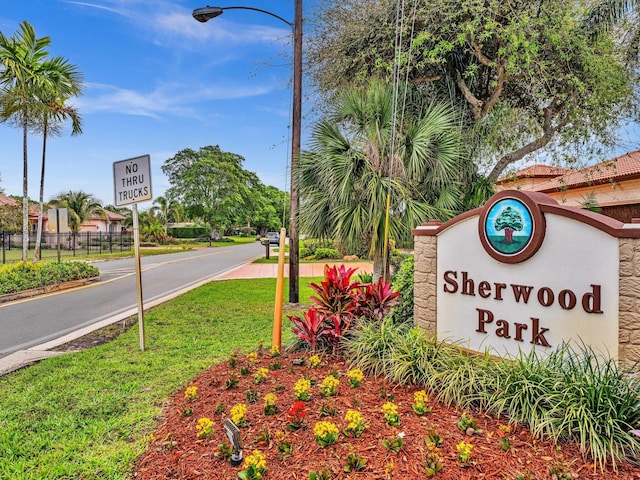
(527, 75)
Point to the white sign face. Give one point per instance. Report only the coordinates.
(58, 220)
(132, 180)
(566, 293)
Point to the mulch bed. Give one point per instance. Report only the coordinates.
(175, 452)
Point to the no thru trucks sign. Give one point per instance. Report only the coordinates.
(132, 180)
(132, 184)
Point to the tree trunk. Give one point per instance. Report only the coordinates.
(25, 193)
(380, 267)
(36, 254)
(508, 235)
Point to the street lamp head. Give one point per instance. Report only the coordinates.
(207, 13)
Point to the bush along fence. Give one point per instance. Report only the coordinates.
(71, 244)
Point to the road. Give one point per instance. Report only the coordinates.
(34, 321)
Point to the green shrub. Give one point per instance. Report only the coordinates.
(570, 394)
(402, 282)
(247, 232)
(326, 253)
(187, 232)
(21, 276)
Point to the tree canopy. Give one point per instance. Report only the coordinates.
(33, 90)
(212, 185)
(80, 207)
(353, 169)
(527, 75)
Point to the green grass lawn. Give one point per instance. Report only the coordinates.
(89, 414)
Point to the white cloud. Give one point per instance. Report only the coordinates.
(170, 23)
(174, 99)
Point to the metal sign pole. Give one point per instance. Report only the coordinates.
(136, 248)
(132, 184)
(58, 232)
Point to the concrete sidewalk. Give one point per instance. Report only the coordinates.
(270, 270)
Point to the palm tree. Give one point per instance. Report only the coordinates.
(80, 206)
(350, 170)
(168, 208)
(21, 61)
(606, 15)
(63, 82)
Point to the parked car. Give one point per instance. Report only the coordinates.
(274, 237)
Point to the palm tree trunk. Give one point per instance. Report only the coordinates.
(36, 254)
(25, 193)
(380, 267)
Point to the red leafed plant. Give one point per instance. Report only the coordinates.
(312, 328)
(335, 293)
(296, 415)
(339, 302)
(375, 300)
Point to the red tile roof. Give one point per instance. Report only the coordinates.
(624, 167)
(8, 201)
(113, 216)
(533, 171)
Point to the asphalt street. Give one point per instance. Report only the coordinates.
(34, 321)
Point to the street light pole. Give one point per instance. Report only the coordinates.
(206, 13)
(296, 125)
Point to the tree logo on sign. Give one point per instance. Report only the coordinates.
(511, 227)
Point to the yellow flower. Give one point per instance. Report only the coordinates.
(256, 461)
(313, 361)
(261, 375)
(237, 414)
(355, 377)
(191, 393)
(390, 408)
(388, 468)
(329, 386)
(270, 399)
(326, 433)
(354, 418)
(356, 423)
(420, 400)
(302, 388)
(252, 357)
(505, 428)
(420, 397)
(204, 427)
(464, 451)
(275, 351)
(270, 407)
(390, 411)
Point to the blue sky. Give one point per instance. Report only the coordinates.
(156, 82)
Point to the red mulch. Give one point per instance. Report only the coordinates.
(176, 453)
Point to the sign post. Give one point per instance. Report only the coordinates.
(61, 224)
(132, 184)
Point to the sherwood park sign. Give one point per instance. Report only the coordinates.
(523, 273)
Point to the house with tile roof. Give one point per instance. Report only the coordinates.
(110, 222)
(8, 201)
(13, 203)
(613, 186)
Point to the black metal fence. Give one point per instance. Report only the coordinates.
(71, 244)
